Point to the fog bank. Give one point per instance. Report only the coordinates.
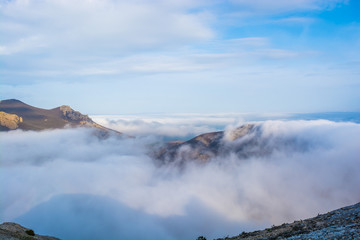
(70, 184)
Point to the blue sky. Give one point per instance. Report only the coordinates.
(113, 57)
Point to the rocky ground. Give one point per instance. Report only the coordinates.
(341, 224)
(14, 231)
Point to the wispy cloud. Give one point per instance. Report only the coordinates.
(295, 20)
(104, 26)
(27, 44)
(287, 6)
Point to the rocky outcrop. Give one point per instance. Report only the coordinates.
(74, 116)
(14, 231)
(9, 121)
(343, 223)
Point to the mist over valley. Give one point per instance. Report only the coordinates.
(73, 184)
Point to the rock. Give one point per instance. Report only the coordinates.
(74, 116)
(343, 224)
(10, 121)
(14, 231)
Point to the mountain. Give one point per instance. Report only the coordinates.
(343, 223)
(14, 231)
(245, 141)
(15, 114)
(205, 146)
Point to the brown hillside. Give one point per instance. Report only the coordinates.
(34, 118)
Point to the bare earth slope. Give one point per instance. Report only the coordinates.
(15, 114)
(343, 223)
(14, 231)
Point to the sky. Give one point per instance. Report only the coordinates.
(182, 56)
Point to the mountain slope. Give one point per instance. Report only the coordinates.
(343, 223)
(15, 114)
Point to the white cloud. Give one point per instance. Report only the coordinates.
(296, 20)
(250, 41)
(154, 50)
(181, 125)
(177, 125)
(275, 53)
(98, 26)
(27, 44)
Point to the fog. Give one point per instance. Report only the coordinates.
(70, 184)
(173, 126)
(187, 125)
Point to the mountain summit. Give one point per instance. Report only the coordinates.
(15, 114)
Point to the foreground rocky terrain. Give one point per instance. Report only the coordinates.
(13, 231)
(343, 223)
(15, 114)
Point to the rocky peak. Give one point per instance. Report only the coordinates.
(66, 108)
(239, 132)
(72, 115)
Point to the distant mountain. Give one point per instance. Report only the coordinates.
(343, 223)
(244, 142)
(210, 145)
(15, 114)
(14, 231)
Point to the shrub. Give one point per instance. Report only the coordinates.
(30, 232)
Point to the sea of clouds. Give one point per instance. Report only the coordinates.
(71, 184)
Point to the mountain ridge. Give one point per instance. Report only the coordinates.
(15, 114)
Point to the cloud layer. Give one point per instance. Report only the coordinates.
(116, 26)
(71, 180)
